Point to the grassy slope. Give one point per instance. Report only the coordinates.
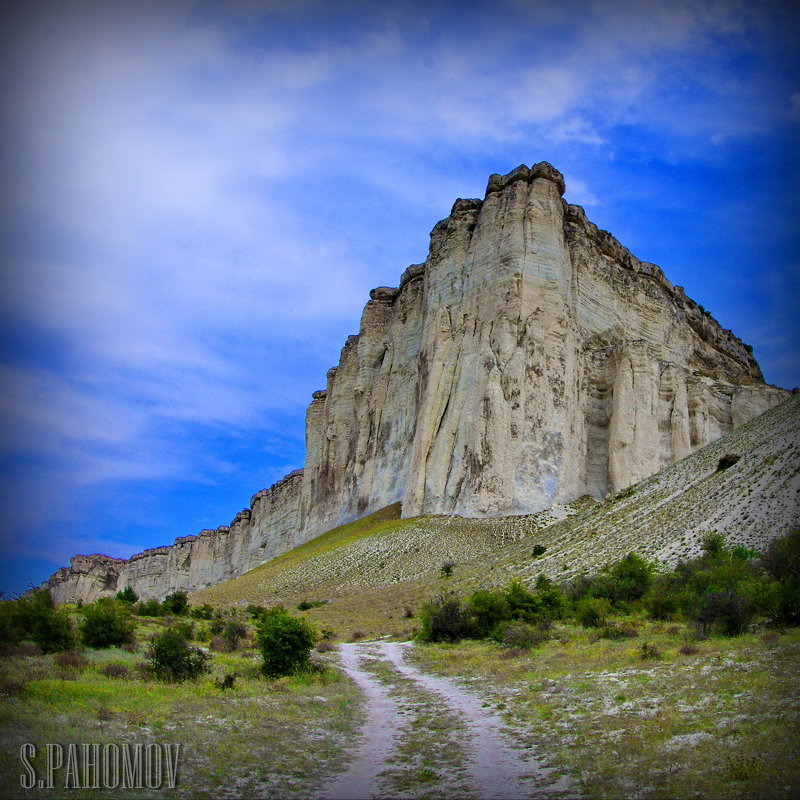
(371, 570)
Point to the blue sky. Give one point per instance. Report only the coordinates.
(199, 196)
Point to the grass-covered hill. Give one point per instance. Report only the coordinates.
(368, 573)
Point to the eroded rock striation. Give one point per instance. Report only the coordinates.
(530, 360)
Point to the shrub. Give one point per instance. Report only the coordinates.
(522, 604)
(614, 632)
(447, 568)
(538, 550)
(234, 632)
(519, 635)
(487, 608)
(176, 603)
(116, 670)
(201, 612)
(226, 683)
(325, 645)
(356, 635)
(552, 601)
(34, 617)
(445, 620)
(688, 649)
(730, 610)
(72, 659)
(591, 612)
(219, 644)
(107, 623)
(781, 559)
(581, 586)
(649, 652)
(173, 659)
(660, 601)
(127, 595)
(626, 580)
(713, 543)
(408, 612)
(727, 461)
(185, 629)
(149, 608)
(285, 642)
(305, 605)
(217, 626)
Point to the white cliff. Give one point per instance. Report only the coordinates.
(529, 361)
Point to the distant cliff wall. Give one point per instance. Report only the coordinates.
(530, 360)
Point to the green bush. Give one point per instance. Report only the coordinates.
(713, 543)
(285, 642)
(127, 595)
(625, 580)
(592, 612)
(173, 659)
(522, 604)
(185, 629)
(201, 612)
(217, 626)
(305, 605)
(149, 608)
(781, 559)
(34, 618)
(445, 619)
(515, 633)
(487, 609)
(233, 633)
(176, 603)
(552, 600)
(660, 601)
(107, 623)
(721, 591)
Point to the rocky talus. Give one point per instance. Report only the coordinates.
(531, 360)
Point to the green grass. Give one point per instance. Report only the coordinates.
(722, 723)
(262, 738)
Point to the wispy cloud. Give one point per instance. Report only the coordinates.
(201, 195)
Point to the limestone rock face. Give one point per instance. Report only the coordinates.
(530, 360)
(86, 579)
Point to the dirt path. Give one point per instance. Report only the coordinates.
(425, 736)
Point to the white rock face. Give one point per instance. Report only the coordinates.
(529, 361)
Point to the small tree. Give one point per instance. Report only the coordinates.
(107, 623)
(285, 642)
(173, 659)
(445, 620)
(127, 595)
(176, 603)
(233, 633)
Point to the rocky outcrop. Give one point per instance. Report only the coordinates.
(530, 360)
(86, 579)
